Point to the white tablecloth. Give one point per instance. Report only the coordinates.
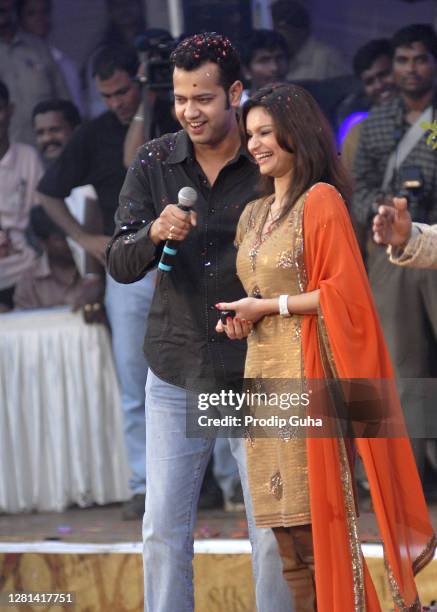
(61, 436)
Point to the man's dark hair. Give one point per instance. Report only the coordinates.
(291, 13)
(4, 93)
(111, 58)
(369, 53)
(41, 225)
(199, 49)
(418, 32)
(65, 107)
(262, 40)
(20, 5)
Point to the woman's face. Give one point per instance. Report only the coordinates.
(272, 160)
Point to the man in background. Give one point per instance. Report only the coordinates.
(372, 64)
(309, 58)
(94, 155)
(393, 156)
(29, 71)
(265, 60)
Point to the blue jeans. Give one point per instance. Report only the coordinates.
(175, 468)
(127, 307)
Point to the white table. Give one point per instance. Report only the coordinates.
(61, 436)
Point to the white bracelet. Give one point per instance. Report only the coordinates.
(283, 306)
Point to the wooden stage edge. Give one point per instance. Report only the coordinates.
(108, 577)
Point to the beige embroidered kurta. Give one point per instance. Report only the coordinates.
(269, 267)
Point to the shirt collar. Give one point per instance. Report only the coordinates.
(183, 150)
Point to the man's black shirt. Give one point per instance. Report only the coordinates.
(181, 344)
(93, 156)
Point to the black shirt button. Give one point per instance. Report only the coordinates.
(212, 307)
(212, 210)
(211, 274)
(212, 339)
(210, 244)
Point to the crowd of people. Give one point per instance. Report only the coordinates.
(91, 163)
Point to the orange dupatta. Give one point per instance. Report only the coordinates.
(350, 331)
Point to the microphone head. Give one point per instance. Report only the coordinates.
(187, 196)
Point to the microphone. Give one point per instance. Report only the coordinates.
(187, 197)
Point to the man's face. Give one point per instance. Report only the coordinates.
(378, 80)
(35, 18)
(52, 133)
(414, 69)
(5, 119)
(267, 66)
(202, 106)
(121, 95)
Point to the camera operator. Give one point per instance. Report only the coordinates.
(393, 158)
(155, 115)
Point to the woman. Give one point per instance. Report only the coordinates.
(310, 315)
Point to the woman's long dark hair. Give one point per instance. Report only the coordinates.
(300, 128)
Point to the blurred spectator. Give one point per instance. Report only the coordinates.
(54, 122)
(54, 280)
(265, 60)
(309, 57)
(94, 155)
(20, 170)
(35, 17)
(126, 22)
(29, 71)
(394, 157)
(373, 66)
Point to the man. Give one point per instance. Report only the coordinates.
(413, 245)
(20, 170)
(28, 69)
(265, 59)
(309, 57)
(393, 156)
(55, 279)
(54, 122)
(373, 66)
(35, 17)
(183, 349)
(94, 155)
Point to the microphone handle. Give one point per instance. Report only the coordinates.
(171, 248)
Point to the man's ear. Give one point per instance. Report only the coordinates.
(234, 93)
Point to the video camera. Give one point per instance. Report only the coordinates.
(155, 47)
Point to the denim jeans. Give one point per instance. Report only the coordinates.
(175, 469)
(127, 307)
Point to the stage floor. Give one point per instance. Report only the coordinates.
(103, 525)
(96, 556)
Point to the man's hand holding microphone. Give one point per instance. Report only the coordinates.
(173, 225)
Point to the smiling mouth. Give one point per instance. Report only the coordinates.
(196, 124)
(262, 156)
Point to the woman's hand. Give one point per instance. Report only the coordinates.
(247, 312)
(235, 329)
(250, 309)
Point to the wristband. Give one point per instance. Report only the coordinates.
(283, 306)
